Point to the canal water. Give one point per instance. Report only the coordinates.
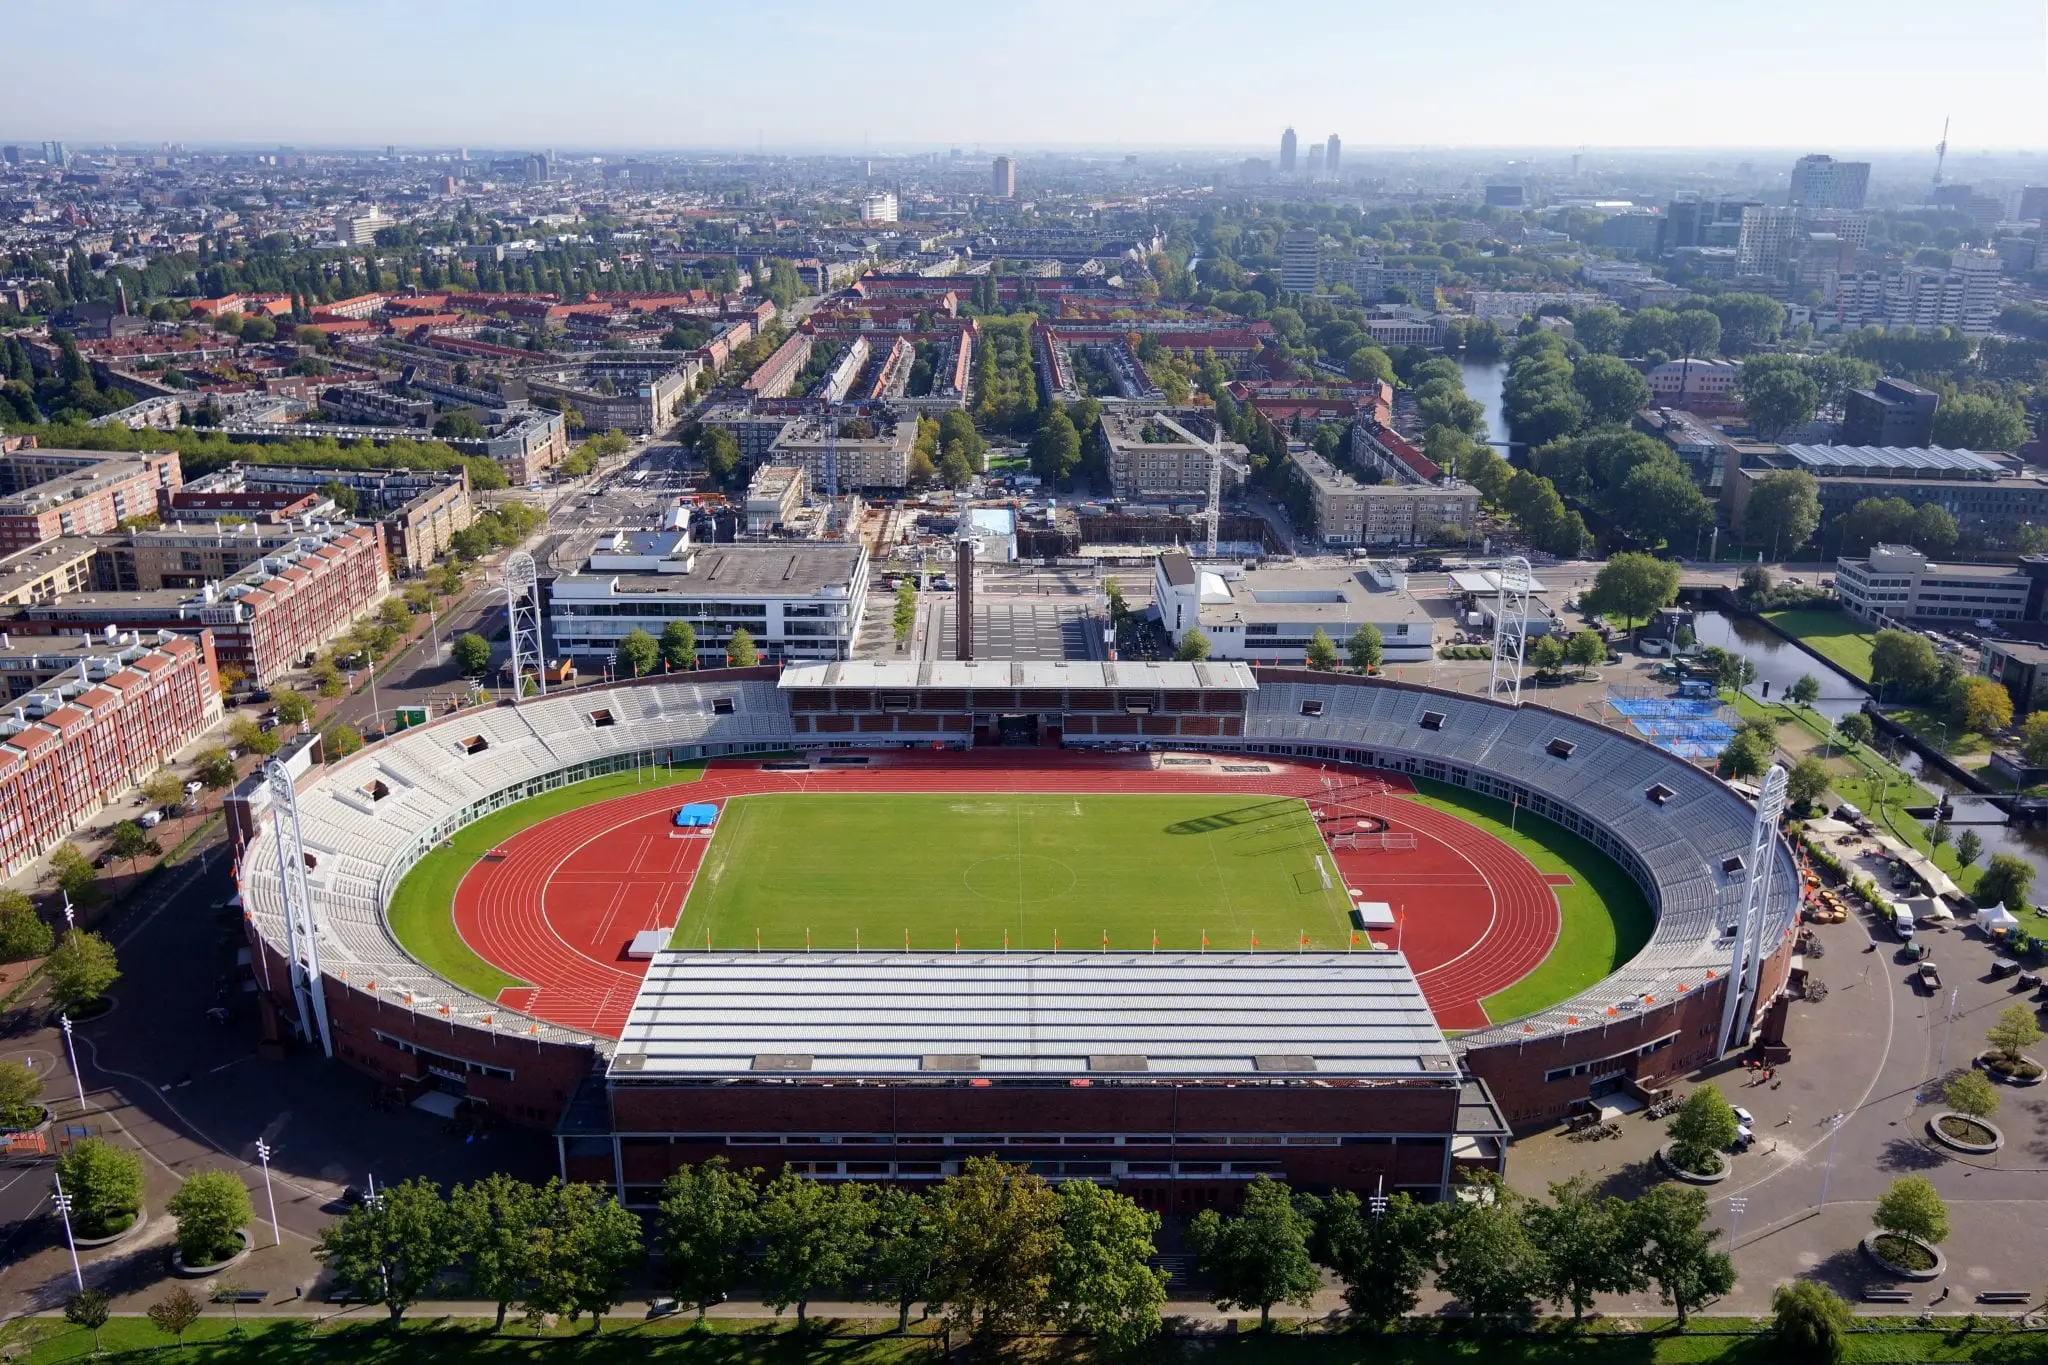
(1483, 381)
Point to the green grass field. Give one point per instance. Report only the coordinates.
(1604, 918)
(421, 913)
(1032, 866)
(1830, 632)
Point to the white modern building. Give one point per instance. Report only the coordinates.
(1898, 583)
(878, 208)
(1300, 262)
(799, 601)
(1270, 615)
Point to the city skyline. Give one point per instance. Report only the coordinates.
(1580, 81)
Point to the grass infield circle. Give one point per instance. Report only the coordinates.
(1019, 878)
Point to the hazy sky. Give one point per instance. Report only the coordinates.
(1836, 74)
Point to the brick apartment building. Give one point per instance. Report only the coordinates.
(80, 739)
(50, 493)
(419, 511)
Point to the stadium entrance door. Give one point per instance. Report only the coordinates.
(1017, 730)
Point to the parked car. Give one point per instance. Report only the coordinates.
(150, 819)
(1930, 977)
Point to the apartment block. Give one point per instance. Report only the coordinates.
(1154, 457)
(50, 493)
(1347, 512)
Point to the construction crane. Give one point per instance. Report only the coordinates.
(1941, 151)
(1212, 510)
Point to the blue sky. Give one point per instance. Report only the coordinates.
(1130, 74)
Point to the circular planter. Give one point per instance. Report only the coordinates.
(92, 1243)
(1983, 1061)
(42, 1127)
(97, 1009)
(1934, 1272)
(1934, 1130)
(200, 1272)
(1692, 1177)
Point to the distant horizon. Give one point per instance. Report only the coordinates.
(1157, 75)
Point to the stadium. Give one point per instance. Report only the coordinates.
(1172, 925)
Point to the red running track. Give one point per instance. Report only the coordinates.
(562, 905)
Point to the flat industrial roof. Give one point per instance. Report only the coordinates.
(1902, 459)
(1488, 581)
(1332, 1015)
(1211, 675)
(777, 570)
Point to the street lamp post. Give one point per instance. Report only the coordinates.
(72, 1052)
(1737, 1204)
(1834, 1131)
(263, 1156)
(63, 1205)
(1947, 1023)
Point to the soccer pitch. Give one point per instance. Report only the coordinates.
(840, 871)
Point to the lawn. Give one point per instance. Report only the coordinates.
(1830, 632)
(295, 1341)
(1604, 919)
(421, 910)
(842, 871)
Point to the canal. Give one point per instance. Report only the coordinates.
(1483, 381)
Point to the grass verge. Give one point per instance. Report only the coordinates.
(421, 913)
(1604, 918)
(1830, 632)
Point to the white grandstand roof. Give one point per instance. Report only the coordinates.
(1333, 1015)
(1229, 677)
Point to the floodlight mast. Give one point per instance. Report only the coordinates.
(1510, 630)
(301, 924)
(1745, 967)
(522, 618)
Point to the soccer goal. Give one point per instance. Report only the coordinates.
(1390, 842)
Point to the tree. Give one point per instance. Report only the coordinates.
(1934, 529)
(1911, 1207)
(1322, 655)
(1381, 1259)
(1976, 422)
(813, 1238)
(638, 654)
(73, 873)
(1971, 1092)
(1702, 1127)
(175, 1312)
(1810, 1322)
(740, 651)
(1804, 691)
(342, 741)
(2013, 1033)
(721, 451)
(1756, 584)
(1489, 1262)
(293, 708)
(1983, 706)
(1364, 648)
(1586, 650)
(679, 646)
(1694, 331)
(1259, 1257)
(21, 1095)
(129, 841)
(707, 1217)
(1612, 389)
(472, 654)
(1969, 847)
(1102, 1281)
(1807, 782)
(491, 1230)
(2034, 739)
(1055, 448)
(1743, 758)
(1855, 728)
(1747, 320)
(90, 1309)
(211, 1208)
(586, 1248)
(80, 969)
(1903, 660)
(1633, 586)
(1548, 655)
(904, 1266)
(214, 769)
(1587, 1246)
(246, 735)
(1784, 511)
(23, 933)
(2004, 881)
(162, 788)
(1677, 1247)
(1778, 400)
(105, 1185)
(999, 1227)
(1194, 646)
(390, 1249)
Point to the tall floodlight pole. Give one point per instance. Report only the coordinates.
(522, 617)
(263, 1155)
(62, 1202)
(1738, 1005)
(72, 1052)
(1510, 630)
(1835, 1123)
(301, 925)
(1736, 1205)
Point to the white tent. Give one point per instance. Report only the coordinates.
(1996, 919)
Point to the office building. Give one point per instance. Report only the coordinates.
(1507, 196)
(1821, 182)
(1763, 244)
(1966, 295)
(2033, 204)
(773, 495)
(122, 710)
(1300, 262)
(1990, 499)
(360, 229)
(1333, 149)
(49, 493)
(1898, 583)
(1345, 512)
(1891, 412)
(1004, 177)
(1270, 615)
(1636, 231)
(11, 155)
(1154, 457)
(55, 154)
(2021, 665)
(799, 601)
(878, 208)
(1287, 152)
